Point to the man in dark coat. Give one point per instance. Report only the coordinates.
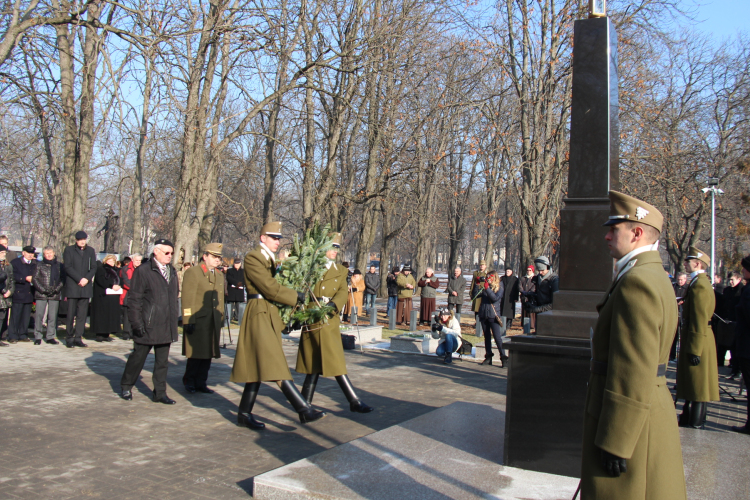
(202, 315)
(372, 283)
(7, 285)
(48, 283)
(24, 268)
(546, 283)
(741, 349)
(728, 322)
(235, 291)
(153, 312)
(80, 268)
(510, 285)
(680, 288)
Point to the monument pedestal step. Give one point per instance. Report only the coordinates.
(452, 452)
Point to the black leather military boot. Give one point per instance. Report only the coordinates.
(355, 404)
(697, 414)
(308, 388)
(684, 420)
(306, 412)
(244, 413)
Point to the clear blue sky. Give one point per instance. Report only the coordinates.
(723, 18)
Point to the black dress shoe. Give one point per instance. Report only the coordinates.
(205, 390)
(38, 342)
(126, 395)
(191, 389)
(359, 407)
(13, 341)
(24, 340)
(247, 420)
(79, 343)
(52, 341)
(164, 399)
(310, 415)
(69, 344)
(108, 339)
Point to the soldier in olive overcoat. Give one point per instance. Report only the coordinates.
(631, 444)
(321, 351)
(697, 367)
(477, 286)
(202, 315)
(260, 356)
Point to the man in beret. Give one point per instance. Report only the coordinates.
(741, 351)
(153, 312)
(80, 268)
(260, 356)
(631, 444)
(697, 367)
(202, 315)
(24, 268)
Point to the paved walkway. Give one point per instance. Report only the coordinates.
(67, 434)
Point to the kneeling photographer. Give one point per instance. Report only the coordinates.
(448, 330)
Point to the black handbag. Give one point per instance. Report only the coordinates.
(465, 347)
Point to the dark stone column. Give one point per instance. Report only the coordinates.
(548, 372)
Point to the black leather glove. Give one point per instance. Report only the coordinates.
(300, 297)
(438, 327)
(613, 464)
(694, 360)
(354, 289)
(188, 329)
(137, 333)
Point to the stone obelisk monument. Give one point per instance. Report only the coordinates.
(548, 371)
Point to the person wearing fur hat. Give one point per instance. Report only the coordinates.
(631, 443)
(697, 370)
(741, 351)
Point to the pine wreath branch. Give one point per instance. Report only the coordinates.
(304, 267)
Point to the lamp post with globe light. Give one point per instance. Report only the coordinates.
(713, 182)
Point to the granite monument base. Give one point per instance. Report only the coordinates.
(452, 452)
(547, 378)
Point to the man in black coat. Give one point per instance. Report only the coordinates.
(680, 287)
(741, 349)
(153, 313)
(511, 287)
(235, 291)
(80, 267)
(24, 268)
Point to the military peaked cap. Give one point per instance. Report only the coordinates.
(338, 239)
(624, 208)
(272, 229)
(214, 249)
(698, 254)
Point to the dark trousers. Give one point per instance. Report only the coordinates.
(46, 309)
(126, 328)
(744, 364)
(19, 321)
(457, 308)
(77, 310)
(490, 329)
(135, 363)
(196, 372)
(4, 324)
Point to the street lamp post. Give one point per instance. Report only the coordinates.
(713, 182)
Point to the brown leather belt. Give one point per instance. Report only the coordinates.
(600, 368)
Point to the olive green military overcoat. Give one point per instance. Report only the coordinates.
(629, 411)
(698, 383)
(402, 280)
(320, 347)
(202, 306)
(259, 354)
(475, 303)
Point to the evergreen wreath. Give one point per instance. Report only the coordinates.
(305, 267)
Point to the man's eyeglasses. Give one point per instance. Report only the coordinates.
(165, 253)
